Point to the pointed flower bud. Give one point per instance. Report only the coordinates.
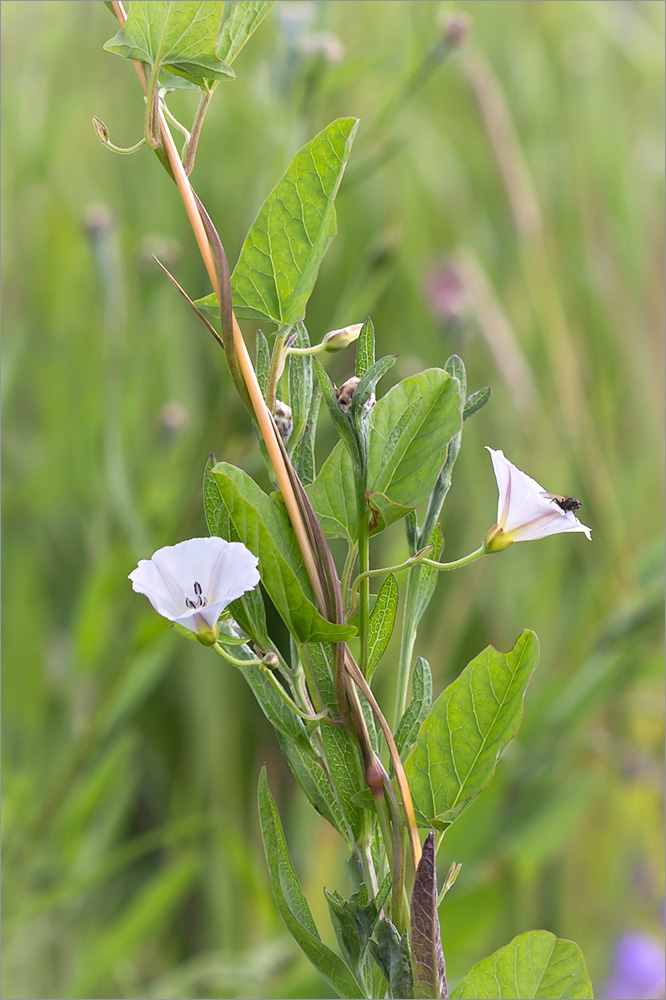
(191, 583)
(525, 511)
(337, 340)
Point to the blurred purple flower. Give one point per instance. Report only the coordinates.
(638, 969)
(446, 291)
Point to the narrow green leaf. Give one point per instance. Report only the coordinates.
(381, 622)
(418, 708)
(345, 766)
(248, 610)
(280, 258)
(425, 580)
(392, 954)
(300, 386)
(241, 20)
(476, 401)
(262, 361)
(303, 455)
(455, 366)
(341, 421)
(427, 954)
(354, 920)
(312, 778)
(467, 730)
(292, 904)
(534, 966)
(180, 37)
(368, 383)
(365, 348)
(263, 526)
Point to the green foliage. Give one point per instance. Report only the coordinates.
(392, 953)
(536, 965)
(365, 349)
(300, 387)
(467, 730)
(382, 621)
(354, 921)
(291, 902)
(240, 20)
(418, 708)
(262, 524)
(179, 37)
(280, 258)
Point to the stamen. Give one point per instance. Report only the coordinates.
(198, 601)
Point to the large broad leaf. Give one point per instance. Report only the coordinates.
(467, 729)
(279, 261)
(263, 525)
(181, 38)
(410, 429)
(427, 954)
(291, 902)
(241, 20)
(534, 966)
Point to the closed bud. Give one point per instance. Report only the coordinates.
(271, 661)
(337, 340)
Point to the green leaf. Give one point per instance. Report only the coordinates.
(262, 361)
(292, 904)
(248, 610)
(368, 383)
(534, 966)
(467, 730)
(381, 621)
(410, 428)
(300, 386)
(302, 455)
(279, 261)
(263, 526)
(179, 37)
(354, 919)
(345, 766)
(425, 580)
(392, 954)
(455, 366)
(312, 778)
(418, 708)
(365, 348)
(341, 421)
(427, 954)
(476, 401)
(241, 20)
(406, 472)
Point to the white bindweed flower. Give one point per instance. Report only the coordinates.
(191, 583)
(525, 511)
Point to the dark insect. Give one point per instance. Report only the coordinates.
(564, 503)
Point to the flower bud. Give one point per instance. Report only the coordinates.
(337, 340)
(346, 392)
(271, 661)
(496, 540)
(283, 420)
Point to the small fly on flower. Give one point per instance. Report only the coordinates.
(564, 503)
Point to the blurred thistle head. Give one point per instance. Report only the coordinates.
(455, 28)
(191, 583)
(284, 420)
(324, 43)
(525, 511)
(446, 291)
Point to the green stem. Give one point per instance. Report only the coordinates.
(417, 558)
(457, 563)
(347, 572)
(267, 672)
(190, 147)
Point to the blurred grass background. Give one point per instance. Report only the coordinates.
(505, 204)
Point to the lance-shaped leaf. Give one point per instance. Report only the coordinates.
(241, 19)
(365, 348)
(534, 966)
(292, 904)
(418, 708)
(303, 456)
(279, 261)
(309, 772)
(392, 954)
(179, 37)
(346, 769)
(427, 954)
(263, 526)
(368, 383)
(467, 730)
(300, 386)
(382, 620)
(476, 401)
